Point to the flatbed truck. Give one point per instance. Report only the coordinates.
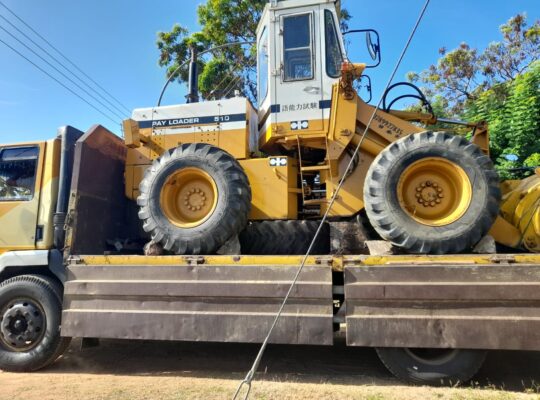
(431, 317)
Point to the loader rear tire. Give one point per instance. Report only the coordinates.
(193, 199)
(434, 367)
(284, 238)
(432, 193)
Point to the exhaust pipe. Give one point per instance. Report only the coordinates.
(69, 137)
(193, 95)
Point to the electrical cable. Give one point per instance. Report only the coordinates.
(233, 83)
(172, 75)
(251, 373)
(61, 73)
(60, 83)
(218, 86)
(62, 64)
(65, 57)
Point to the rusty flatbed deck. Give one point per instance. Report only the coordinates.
(461, 301)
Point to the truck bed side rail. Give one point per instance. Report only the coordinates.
(483, 306)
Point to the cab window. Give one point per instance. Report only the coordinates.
(263, 66)
(298, 47)
(18, 168)
(334, 57)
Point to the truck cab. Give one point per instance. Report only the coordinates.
(28, 193)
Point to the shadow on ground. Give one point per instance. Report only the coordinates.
(514, 371)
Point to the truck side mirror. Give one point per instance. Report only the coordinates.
(363, 88)
(373, 44)
(373, 48)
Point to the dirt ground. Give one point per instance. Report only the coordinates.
(118, 370)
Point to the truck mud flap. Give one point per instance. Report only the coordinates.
(222, 303)
(443, 306)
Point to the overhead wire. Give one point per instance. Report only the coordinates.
(62, 65)
(251, 373)
(63, 74)
(59, 82)
(65, 57)
(228, 89)
(172, 75)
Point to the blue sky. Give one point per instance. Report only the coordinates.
(113, 41)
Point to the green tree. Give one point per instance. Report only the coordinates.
(500, 85)
(513, 118)
(463, 74)
(227, 69)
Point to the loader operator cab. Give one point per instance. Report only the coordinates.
(300, 52)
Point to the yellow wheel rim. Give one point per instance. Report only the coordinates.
(189, 197)
(434, 191)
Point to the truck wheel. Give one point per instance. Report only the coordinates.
(284, 238)
(30, 315)
(432, 193)
(194, 198)
(435, 367)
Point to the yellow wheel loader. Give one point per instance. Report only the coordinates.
(206, 173)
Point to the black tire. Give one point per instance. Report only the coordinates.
(229, 216)
(284, 238)
(394, 224)
(26, 293)
(434, 367)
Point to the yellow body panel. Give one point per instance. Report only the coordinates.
(273, 189)
(49, 193)
(521, 208)
(335, 262)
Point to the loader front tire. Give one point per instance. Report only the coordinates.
(432, 193)
(193, 199)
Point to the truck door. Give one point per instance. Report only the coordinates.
(298, 91)
(20, 180)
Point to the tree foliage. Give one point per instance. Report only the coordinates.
(227, 69)
(513, 118)
(463, 74)
(500, 85)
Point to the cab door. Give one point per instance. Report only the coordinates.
(332, 56)
(20, 181)
(298, 85)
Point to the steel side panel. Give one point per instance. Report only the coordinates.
(471, 307)
(198, 303)
(98, 209)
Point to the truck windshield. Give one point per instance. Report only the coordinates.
(334, 57)
(18, 167)
(298, 47)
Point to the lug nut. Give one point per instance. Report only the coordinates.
(432, 204)
(438, 201)
(428, 183)
(441, 195)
